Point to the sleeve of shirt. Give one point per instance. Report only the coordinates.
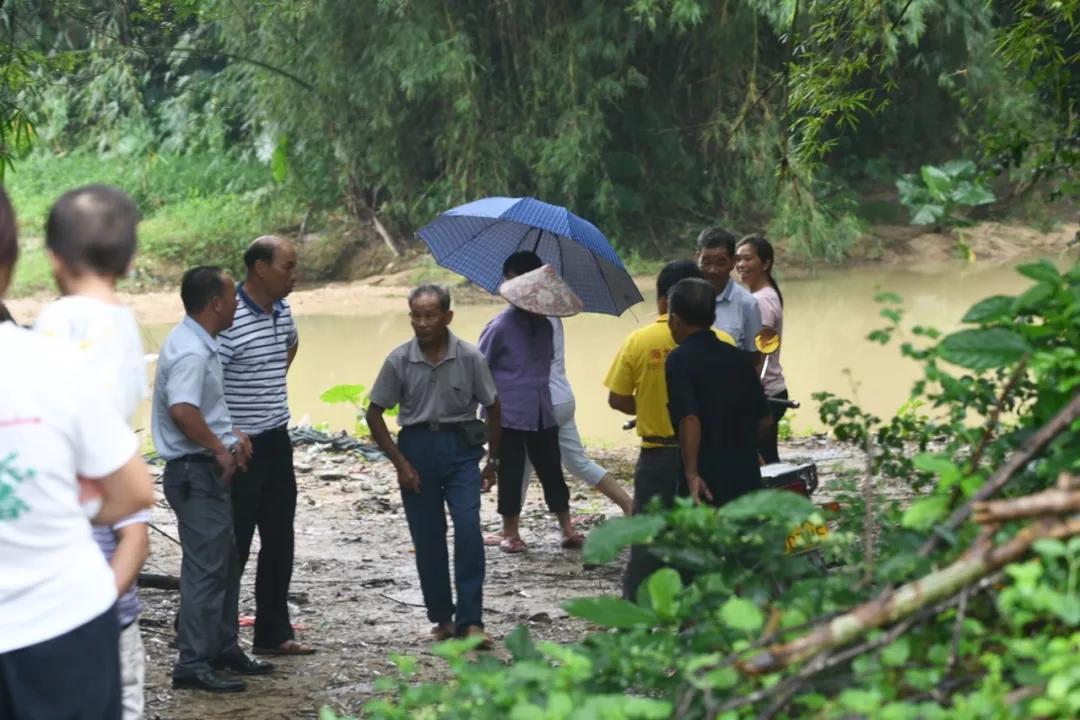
(483, 383)
(751, 325)
(185, 381)
(143, 516)
(769, 306)
(103, 442)
(485, 342)
(682, 401)
(621, 375)
(294, 336)
(386, 392)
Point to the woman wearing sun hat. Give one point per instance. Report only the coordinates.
(518, 345)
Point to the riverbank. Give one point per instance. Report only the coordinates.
(385, 285)
(356, 596)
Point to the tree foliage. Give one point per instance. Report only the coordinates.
(651, 117)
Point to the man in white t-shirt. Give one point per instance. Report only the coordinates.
(58, 657)
(90, 238)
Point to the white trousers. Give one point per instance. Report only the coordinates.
(132, 671)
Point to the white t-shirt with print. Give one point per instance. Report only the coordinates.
(107, 337)
(54, 424)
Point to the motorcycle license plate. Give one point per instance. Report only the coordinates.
(806, 537)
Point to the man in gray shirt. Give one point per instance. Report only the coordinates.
(737, 311)
(439, 381)
(194, 433)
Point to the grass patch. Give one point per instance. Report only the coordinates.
(196, 209)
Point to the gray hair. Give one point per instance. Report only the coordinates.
(438, 291)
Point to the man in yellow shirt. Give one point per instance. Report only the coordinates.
(637, 386)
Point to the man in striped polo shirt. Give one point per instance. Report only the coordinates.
(256, 353)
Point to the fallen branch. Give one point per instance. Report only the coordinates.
(977, 562)
(1048, 502)
(1016, 462)
(159, 582)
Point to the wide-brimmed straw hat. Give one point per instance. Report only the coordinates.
(543, 292)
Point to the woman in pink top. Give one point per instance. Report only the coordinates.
(754, 264)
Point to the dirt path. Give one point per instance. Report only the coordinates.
(356, 595)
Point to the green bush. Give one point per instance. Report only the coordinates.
(934, 195)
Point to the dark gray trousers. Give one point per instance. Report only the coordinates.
(656, 475)
(210, 569)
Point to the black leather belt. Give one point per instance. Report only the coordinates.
(669, 441)
(435, 426)
(194, 458)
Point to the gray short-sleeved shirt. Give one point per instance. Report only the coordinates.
(738, 314)
(447, 392)
(188, 371)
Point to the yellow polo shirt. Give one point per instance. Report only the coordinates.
(638, 370)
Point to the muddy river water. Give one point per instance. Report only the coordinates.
(827, 318)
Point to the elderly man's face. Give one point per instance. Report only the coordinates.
(429, 320)
(716, 265)
(279, 275)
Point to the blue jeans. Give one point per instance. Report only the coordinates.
(449, 477)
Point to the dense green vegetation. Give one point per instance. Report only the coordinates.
(651, 117)
(961, 604)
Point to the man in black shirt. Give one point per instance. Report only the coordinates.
(716, 403)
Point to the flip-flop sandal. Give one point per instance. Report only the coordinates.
(571, 542)
(289, 647)
(513, 546)
(493, 539)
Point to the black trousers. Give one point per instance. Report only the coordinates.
(75, 676)
(656, 475)
(264, 497)
(542, 449)
(767, 445)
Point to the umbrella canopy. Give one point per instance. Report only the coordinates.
(475, 239)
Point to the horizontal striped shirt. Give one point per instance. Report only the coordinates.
(128, 604)
(255, 356)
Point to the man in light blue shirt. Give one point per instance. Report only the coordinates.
(737, 311)
(194, 433)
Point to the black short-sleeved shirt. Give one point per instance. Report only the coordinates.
(716, 383)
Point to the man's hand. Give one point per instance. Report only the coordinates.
(697, 487)
(244, 449)
(227, 462)
(407, 477)
(489, 477)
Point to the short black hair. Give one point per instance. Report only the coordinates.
(521, 262)
(693, 300)
(261, 248)
(9, 236)
(199, 286)
(716, 237)
(673, 272)
(437, 290)
(92, 228)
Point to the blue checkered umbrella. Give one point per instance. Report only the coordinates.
(476, 238)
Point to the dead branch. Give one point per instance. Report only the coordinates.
(1048, 502)
(1034, 445)
(973, 565)
(158, 582)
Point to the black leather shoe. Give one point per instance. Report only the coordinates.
(209, 681)
(240, 662)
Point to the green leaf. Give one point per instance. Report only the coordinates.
(995, 307)
(779, 504)
(605, 541)
(928, 214)
(983, 349)
(740, 614)
(897, 653)
(923, 513)
(937, 181)
(664, 587)
(344, 394)
(959, 168)
(520, 644)
(1034, 297)
(1043, 271)
(610, 612)
(279, 161)
(972, 194)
